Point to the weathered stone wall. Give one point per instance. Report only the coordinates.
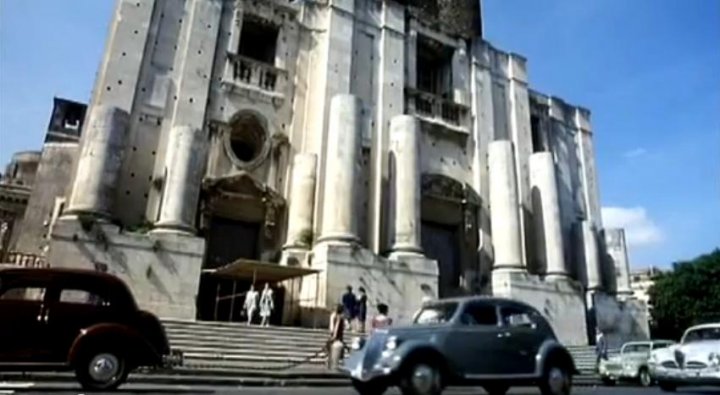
(620, 321)
(54, 176)
(455, 17)
(560, 302)
(162, 270)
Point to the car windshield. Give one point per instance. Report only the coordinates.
(701, 334)
(632, 348)
(435, 314)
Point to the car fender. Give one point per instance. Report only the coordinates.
(411, 349)
(551, 349)
(141, 352)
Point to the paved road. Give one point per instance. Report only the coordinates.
(73, 389)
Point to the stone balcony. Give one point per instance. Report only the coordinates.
(255, 78)
(437, 110)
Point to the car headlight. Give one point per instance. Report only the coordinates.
(714, 359)
(392, 343)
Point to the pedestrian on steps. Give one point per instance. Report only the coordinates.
(600, 348)
(349, 303)
(335, 345)
(361, 310)
(251, 302)
(381, 319)
(267, 305)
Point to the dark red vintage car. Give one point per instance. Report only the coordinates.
(86, 321)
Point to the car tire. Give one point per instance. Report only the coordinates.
(667, 387)
(99, 369)
(496, 389)
(369, 388)
(421, 377)
(556, 379)
(644, 378)
(608, 381)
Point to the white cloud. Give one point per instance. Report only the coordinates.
(634, 153)
(640, 230)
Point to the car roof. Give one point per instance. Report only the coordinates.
(478, 298)
(90, 279)
(704, 326)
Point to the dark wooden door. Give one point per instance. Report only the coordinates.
(440, 242)
(230, 240)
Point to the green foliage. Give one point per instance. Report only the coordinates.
(687, 296)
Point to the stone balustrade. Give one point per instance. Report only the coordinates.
(435, 108)
(248, 71)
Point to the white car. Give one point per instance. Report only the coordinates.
(695, 361)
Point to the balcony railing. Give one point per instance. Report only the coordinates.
(435, 108)
(248, 72)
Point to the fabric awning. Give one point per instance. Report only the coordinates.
(261, 272)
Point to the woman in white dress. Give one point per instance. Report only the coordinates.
(251, 302)
(266, 305)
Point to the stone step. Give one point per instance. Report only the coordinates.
(252, 346)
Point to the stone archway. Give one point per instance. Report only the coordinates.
(449, 233)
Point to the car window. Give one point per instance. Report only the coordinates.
(515, 316)
(435, 314)
(23, 293)
(702, 334)
(479, 314)
(636, 348)
(79, 296)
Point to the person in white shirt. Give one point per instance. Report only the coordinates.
(251, 302)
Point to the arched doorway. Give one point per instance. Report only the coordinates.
(449, 233)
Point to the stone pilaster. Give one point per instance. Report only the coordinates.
(618, 256)
(339, 219)
(591, 257)
(504, 213)
(302, 202)
(98, 169)
(406, 195)
(546, 212)
(184, 168)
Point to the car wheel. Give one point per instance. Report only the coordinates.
(496, 389)
(608, 381)
(369, 388)
(101, 370)
(557, 379)
(421, 378)
(644, 377)
(667, 387)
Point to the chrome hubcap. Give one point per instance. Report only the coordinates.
(104, 367)
(557, 381)
(424, 379)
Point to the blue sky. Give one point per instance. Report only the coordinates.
(649, 70)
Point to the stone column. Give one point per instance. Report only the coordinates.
(98, 169)
(302, 202)
(546, 212)
(591, 255)
(406, 195)
(504, 214)
(340, 219)
(184, 168)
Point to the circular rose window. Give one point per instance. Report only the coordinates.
(247, 142)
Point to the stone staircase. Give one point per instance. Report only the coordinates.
(230, 346)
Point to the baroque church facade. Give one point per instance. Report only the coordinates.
(323, 143)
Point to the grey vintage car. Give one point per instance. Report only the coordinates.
(492, 342)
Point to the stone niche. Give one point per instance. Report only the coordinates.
(161, 269)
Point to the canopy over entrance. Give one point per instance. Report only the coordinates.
(258, 271)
